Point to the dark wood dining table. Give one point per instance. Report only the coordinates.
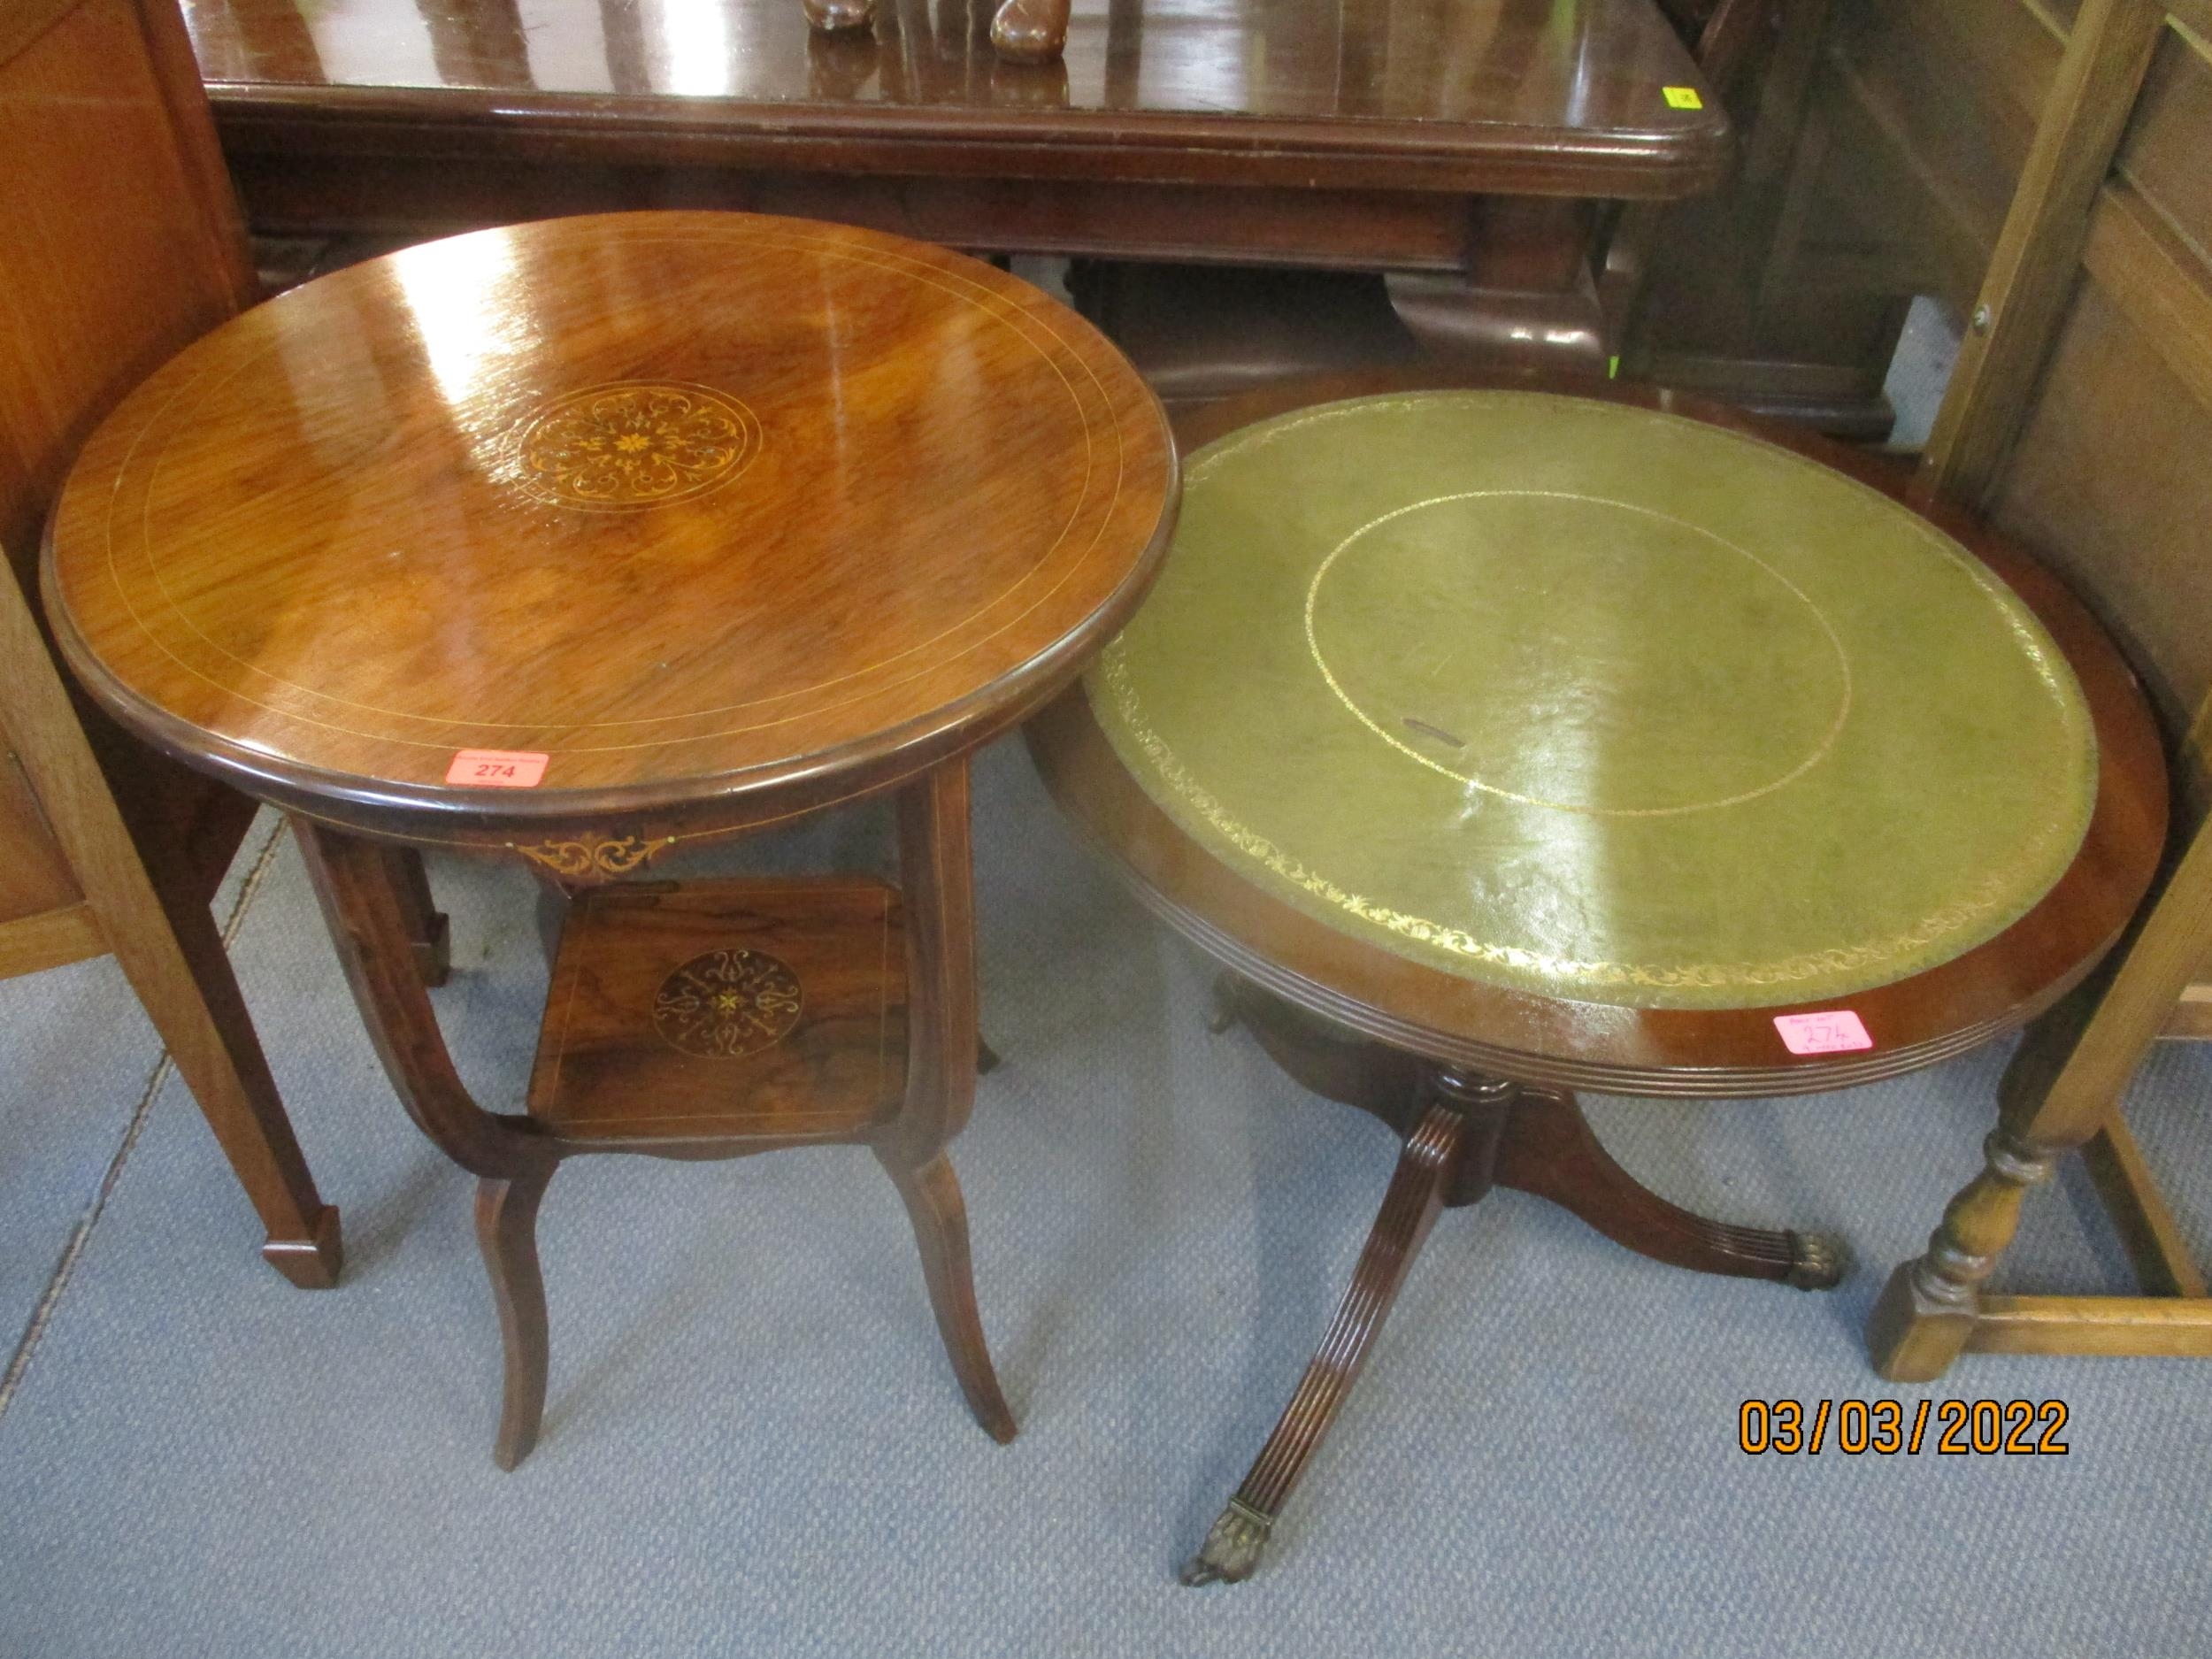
(1475, 140)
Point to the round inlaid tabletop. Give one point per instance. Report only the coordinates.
(1570, 701)
(676, 506)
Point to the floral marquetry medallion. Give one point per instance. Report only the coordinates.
(635, 443)
(727, 1003)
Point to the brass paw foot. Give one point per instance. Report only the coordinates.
(1816, 1264)
(1232, 1550)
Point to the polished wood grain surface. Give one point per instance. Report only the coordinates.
(694, 505)
(1696, 1052)
(1396, 94)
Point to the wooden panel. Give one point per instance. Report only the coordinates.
(2033, 268)
(1952, 89)
(33, 943)
(2157, 281)
(116, 252)
(2109, 483)
(34, 878)
(1882, 170)
(2163, 153)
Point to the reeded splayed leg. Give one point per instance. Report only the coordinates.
(1550, 1150)
(1428, 1167)
(940, 1216)
(507, 1232)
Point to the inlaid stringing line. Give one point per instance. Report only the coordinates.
(1022, 313)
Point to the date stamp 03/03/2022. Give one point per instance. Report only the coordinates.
(1887, 1428)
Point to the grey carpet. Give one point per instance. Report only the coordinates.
(755, 1445)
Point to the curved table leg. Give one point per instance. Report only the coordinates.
(936, 871)
(1427, 1166)
(361, 886)
(940, 1216)
(1550, 1150)
(507, 1232)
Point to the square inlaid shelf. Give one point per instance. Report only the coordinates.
(1501, 743)
(774, 1008)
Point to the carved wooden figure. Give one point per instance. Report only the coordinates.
(571, 544)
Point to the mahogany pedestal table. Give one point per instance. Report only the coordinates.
(1504, 743)
(571, 544)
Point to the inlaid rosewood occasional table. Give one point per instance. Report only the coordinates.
(572, 543)
(1504, 743)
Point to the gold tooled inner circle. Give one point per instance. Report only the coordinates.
(1819, 751)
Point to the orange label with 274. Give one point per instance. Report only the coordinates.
(1950, 1428)
(497, 768)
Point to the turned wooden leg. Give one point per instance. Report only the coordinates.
(428, 930)
(507, 1232)
(1427, 1168)
(2063, 1084)
(940, 1228)
(1030, 31)
(1550, 1150)
(1927, 1310)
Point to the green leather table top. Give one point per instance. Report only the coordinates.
(1598, 702)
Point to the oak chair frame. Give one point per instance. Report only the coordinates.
(171, 954)
(118, 850)
(2063, 1090)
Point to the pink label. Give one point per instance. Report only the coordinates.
(1834, 1032)
(496, 769)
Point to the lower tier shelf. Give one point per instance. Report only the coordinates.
(770, 1008)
